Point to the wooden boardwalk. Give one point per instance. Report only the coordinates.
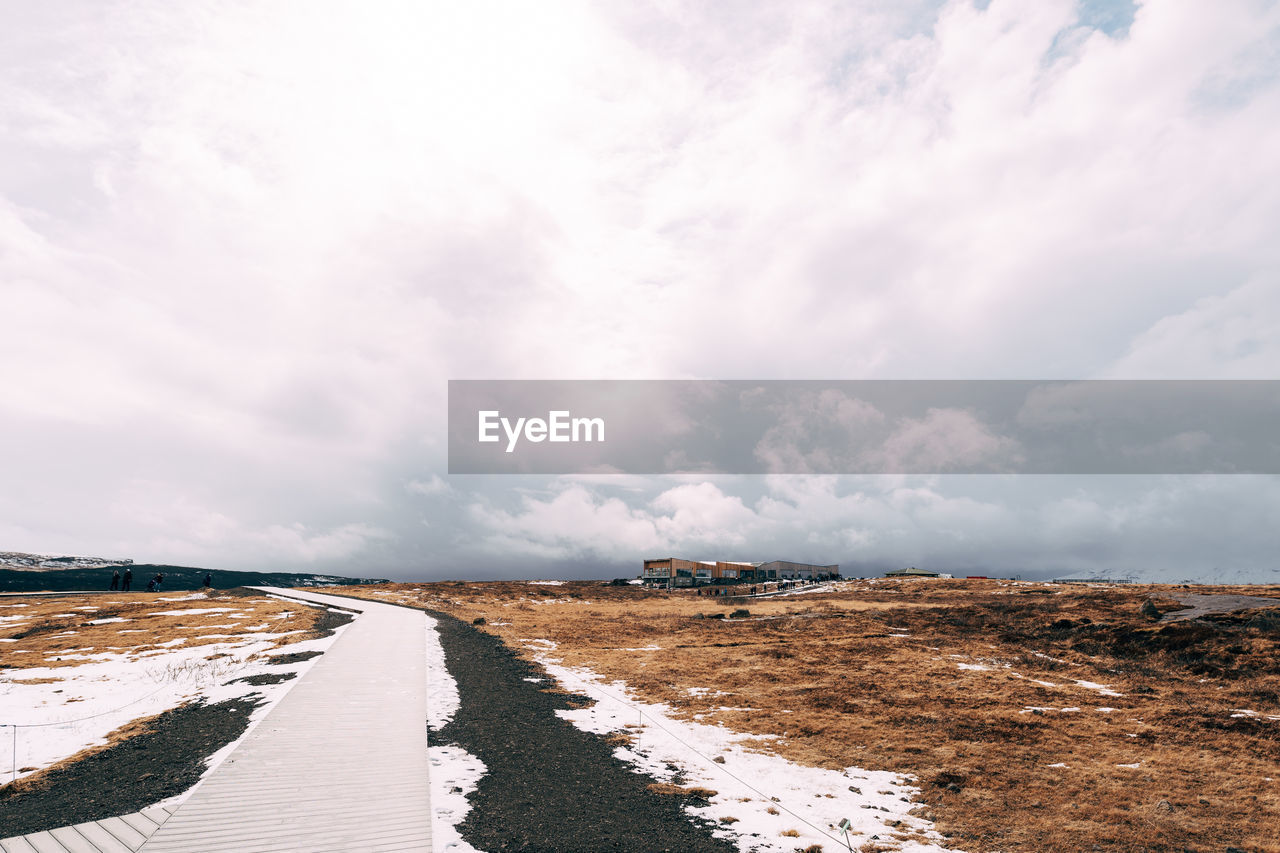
(113, 835)
(340, 764)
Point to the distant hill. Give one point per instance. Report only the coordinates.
(39, 562)
(34, 573)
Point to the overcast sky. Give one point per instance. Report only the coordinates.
(243, 247)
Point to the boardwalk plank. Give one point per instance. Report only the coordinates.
(44, 842)
(17, 845)
(141, 822)
(72, 841)
(100, 834)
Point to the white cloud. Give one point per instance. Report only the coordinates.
(572, 522)
(433, 485)
(1232, 336)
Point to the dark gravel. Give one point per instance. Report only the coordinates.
(289, 658)
(549, 786)
(128, 776)
(265, 678)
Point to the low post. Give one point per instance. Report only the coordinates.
(843, 826)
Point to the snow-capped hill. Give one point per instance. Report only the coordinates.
(20, 560)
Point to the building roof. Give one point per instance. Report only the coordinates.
(913, 572)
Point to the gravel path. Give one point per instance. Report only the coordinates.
(549, 786)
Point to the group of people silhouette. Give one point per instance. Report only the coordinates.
(125, 581)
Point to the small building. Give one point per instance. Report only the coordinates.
(913, 572)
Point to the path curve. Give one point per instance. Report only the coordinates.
(340, 764)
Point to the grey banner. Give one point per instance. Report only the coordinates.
(864, 427)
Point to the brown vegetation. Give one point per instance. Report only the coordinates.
(678, 791)
(59, 631)
(978, 688)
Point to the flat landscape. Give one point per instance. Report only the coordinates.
(1022, 716)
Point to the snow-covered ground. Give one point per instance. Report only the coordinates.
(454, 771)
(60, 710)
(759, 795)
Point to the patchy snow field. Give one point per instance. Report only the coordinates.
(454, 771)
(86, 693)
(763, 802)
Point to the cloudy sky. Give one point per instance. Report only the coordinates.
(243, 247)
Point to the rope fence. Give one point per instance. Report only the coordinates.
(16, 726)
(712, 764)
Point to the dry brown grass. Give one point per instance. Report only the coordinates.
(678, 791)
(57, 631)
(870, 676)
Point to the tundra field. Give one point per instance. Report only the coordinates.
(1032, 716)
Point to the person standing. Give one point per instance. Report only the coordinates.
(128, 579)
(208, 580)
(115, 580)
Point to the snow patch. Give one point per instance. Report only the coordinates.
(1043, 709)
(1101, 688)
(1245, 712)
(809, 800)
(442, 690)
(454, 771)
(454, 774)
(192, 612)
